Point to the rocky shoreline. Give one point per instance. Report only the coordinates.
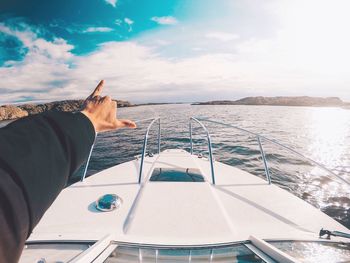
(283, 101)
(11, 112)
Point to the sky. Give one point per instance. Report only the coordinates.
(173, 50)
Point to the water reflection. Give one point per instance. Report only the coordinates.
(328, 129)
(315, 251)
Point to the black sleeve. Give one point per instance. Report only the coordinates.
(37, 156)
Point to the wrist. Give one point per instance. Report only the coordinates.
(91, 118)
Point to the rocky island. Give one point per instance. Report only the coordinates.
(282, 101)
(10, 112)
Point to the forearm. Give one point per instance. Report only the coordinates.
(41, 152)
(37, 156)
(14, 219)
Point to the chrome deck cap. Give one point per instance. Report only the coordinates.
(108, 202)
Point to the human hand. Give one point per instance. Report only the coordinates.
(102, 112)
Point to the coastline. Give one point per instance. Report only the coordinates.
(299, 101)
(13, 112)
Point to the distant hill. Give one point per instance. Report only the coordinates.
(10, 112)
(282, 101)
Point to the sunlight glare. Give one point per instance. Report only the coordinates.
(316, 34)
(329, 128)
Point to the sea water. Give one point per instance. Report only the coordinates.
(322, 134)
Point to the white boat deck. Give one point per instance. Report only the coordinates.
(181, 213)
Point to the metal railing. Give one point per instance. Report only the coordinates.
(209, 146)
(82, 178)
(145, 145)
(259, 137)
(211, 159)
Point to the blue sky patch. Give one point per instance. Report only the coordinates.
(14, 51)
(71, 20)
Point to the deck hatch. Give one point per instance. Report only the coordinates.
(176, 175)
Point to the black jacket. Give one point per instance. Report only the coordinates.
(37, 156)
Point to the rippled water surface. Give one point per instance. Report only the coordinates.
(320, 133)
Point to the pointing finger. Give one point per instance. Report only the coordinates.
(98, 89)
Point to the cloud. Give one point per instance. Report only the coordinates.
(97, 29)
(57, 49)
(222, 36)
(161, 42)
(140, 72)
(111, 2)
(44, 64)
(118, 22)
(129, 22)
(165, 20)
(132, 71)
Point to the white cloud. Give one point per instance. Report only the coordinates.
(111, 2)
(161, 42)
(97, 29)
(45, 64)
(287, 62)
(165, 20)
(222, 36)
(58, 49)
(118, 22)
(132, 71)
(128, 21)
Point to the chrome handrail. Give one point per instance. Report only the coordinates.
(259, 137)
(267, 171)
(145, 145)
(82, 178)
(209, 146)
